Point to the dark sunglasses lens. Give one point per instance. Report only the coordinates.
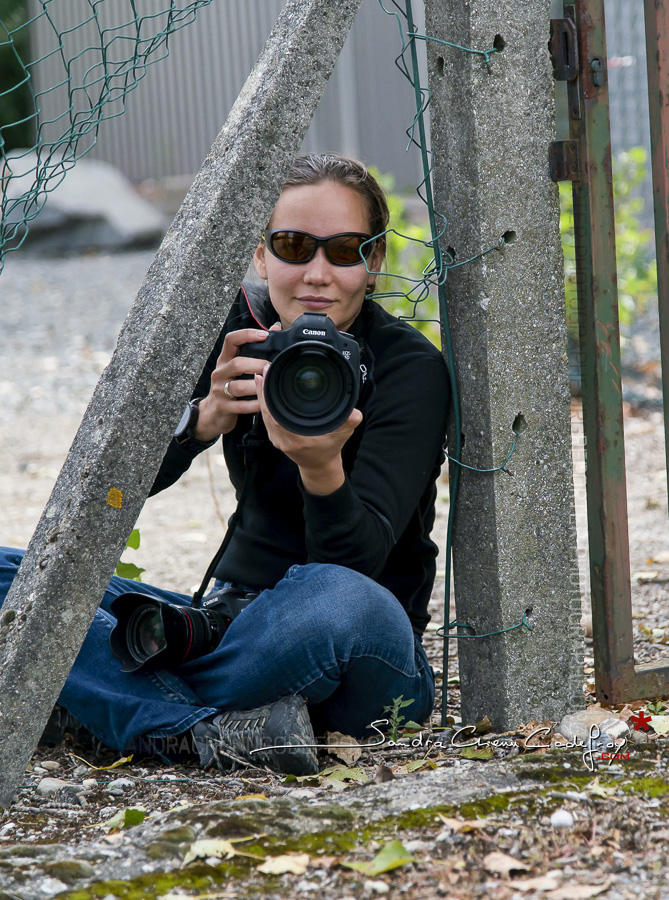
(293, 246)
(345, 250)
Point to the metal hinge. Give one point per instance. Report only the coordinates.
(564, 161)
(563, 47)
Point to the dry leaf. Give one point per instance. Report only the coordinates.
(484, 726)
(344, 747)
(660, 724)
(578, 891)
(216, 848)
(502, 864)
(542, 883)
(251, 797)
(119, 762)
(323, 862)
(463, 825)
(294, 863)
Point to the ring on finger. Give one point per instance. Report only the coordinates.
(227, 392)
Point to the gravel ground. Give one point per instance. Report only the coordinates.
(61, 319)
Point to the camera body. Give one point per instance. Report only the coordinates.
(313, 381)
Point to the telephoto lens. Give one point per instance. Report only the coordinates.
(151, 633)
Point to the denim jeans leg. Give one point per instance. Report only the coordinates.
(328, 633)
(119, 707)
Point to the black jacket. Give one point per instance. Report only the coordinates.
(379, 521)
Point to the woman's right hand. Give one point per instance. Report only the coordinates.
(218, 413)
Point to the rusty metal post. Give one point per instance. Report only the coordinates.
(657, 55)
(600, 354)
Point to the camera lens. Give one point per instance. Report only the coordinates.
(310, 382)
(148, 631)
(310, 388)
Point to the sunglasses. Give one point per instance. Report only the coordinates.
(300, 246)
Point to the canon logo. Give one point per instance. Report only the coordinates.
(313, 333)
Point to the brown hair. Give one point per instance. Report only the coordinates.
(312, 168)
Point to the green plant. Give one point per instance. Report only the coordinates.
(395, 719)
(406, 255)
(656, 708)
(130, 570)
(635, 254)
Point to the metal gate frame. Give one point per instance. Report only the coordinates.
(578, 46)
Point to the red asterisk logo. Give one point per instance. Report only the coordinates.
(640, 720)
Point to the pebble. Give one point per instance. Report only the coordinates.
(302, 794)
(119, 786)
(639, 737)
(49, 786)
(89, 784)
(375, 887)
(50, 765)
(413, 846)
(562, 818)
(7, 828)
(107, 811)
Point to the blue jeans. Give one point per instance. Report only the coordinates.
(326, 632)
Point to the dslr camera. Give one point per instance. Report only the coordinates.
(312, 384)
(151, 632)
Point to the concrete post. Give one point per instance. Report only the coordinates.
(515, 540)
(161, 350)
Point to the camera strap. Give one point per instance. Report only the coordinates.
(251, 444)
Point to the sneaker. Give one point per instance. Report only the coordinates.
(283, 727)
(62, 723)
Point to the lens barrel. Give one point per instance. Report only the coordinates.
(311, 388)
(150, 632)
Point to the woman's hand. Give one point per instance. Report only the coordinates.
(218, 413)
(317, 457)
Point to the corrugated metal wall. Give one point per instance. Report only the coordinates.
(174, 114)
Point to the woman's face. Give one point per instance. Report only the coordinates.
(320, 286)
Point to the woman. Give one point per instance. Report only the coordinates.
(334, 530)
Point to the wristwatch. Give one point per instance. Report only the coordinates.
(185, 430)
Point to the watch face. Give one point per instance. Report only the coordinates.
(183, 422)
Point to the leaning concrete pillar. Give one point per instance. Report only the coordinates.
(515, 541)
(161, 350)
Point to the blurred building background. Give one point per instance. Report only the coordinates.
(176, 111)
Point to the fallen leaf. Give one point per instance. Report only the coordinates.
(119, 762)
(541, 883)
(414, 765)
(502, 864)
(344, 747)
(294, 863)
(484, 726)
(250, 797)
(578, 891)
(342, 773)
(323, 862)
(216, 848)
(599, 790)
(463, 825)
(481, 753)
(660, 724)
(126, 818)
(392, 856)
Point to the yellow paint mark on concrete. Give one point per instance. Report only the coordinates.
(115, 498)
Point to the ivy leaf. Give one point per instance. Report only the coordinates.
(392, 856)
(133, 540)
(129, 570)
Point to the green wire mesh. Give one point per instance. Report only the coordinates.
(46, 128)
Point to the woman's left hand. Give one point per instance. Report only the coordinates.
(317, 457)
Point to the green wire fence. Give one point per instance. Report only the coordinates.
(45, 129)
